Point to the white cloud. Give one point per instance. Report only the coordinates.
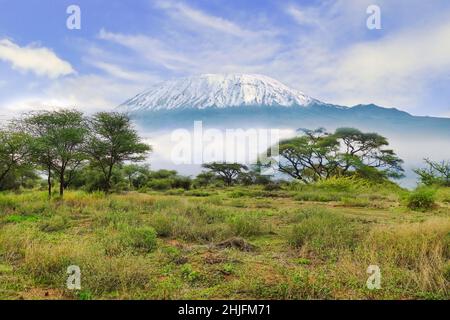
(121, 73)
(89, 93)
(308, 17)
(150, 48)
(39, 60)
(179, 10)
(391, 70)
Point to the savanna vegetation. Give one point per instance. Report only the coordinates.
(76, 192)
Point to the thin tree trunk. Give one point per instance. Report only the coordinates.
(108, 180)
(49, 182)
(61, 183)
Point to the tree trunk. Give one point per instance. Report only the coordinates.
(3, 175)
(49, 182)
(61, 183)
(108, 180)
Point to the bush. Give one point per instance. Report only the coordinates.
(163, 224)
(422, 199)
(141, 238)
(160, 184)
(182, 183)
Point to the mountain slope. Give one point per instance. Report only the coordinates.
(218, 90)
(252, 101)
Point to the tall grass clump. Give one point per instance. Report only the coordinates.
(246, 225)
(420, 251)
(323, 232)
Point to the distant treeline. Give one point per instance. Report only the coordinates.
(102, 152)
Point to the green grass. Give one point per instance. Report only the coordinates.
(162, 245)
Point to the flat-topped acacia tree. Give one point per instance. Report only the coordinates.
(112, 141)
(318, 155)
(228, 172)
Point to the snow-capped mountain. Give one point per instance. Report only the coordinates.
(219, 91)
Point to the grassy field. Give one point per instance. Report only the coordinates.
(299, 242)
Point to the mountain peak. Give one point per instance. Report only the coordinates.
(219, 91)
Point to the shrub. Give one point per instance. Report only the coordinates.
(160, 184)
(422, 199)
(182, 183)
(163, 224)
(141, 238)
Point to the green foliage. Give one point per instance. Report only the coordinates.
(246, 225)
(228, 172)
(160, 184)
(421, 199)
(436, 173)
(123, 237)
(189, 274)
(317, 155)
(57, 144)
(112, 141)
(14, 157)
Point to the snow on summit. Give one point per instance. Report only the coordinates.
(220, 91)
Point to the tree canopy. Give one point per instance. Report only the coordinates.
(228, 172)
(111, 142)
(317, 154)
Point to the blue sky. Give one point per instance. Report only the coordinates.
(322, 48)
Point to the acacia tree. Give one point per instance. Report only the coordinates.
(317, 155)
(366, 154)
(112, 141)
(309, 157)
(437, 173)
(58, 138)
(228, 172)
(14, 151)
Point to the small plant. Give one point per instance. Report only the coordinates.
(16, 218)
(303, 261)
(189, 274)
(84, 295)
(422, 199)
(228, 269)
